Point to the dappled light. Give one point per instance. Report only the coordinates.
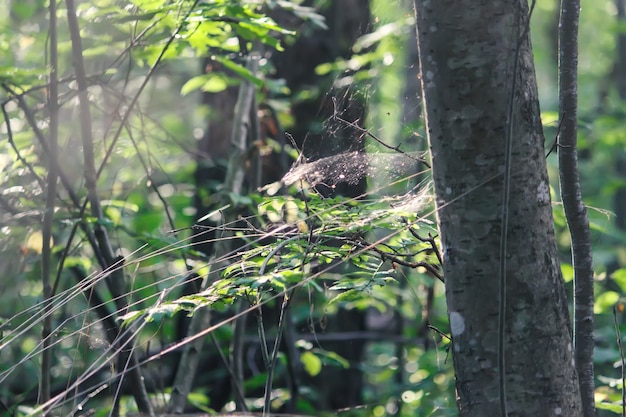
(264, 208)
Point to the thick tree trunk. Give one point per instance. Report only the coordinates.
(480, 92)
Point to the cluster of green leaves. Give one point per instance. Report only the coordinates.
(339, 250)
(319, 246)
(320, 243)
(142, 200)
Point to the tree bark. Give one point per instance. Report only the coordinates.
(486, 140)
(573, 205)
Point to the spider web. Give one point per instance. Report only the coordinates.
(350, 167)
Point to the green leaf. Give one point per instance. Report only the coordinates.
(215, 84)
(201, 401)
(114, 215)
(612, 407)
(334, 358)
(149, 4)
(312, 364)
(78, 261)
(349, 295)
(148, 222)
(619, 277)
(124, 205)
(240, 70)
(164, 310)
(210, 83)
(239, 199)
(605, 302)
(568, 272)
(129, 317)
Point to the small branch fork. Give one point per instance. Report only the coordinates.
(556, 145)
(433, 270)
(398, 258)
(354, 125)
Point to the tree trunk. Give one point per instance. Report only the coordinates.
(487, 142)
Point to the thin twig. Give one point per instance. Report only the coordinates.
(18, 154)
(270, 361)
(556, 144)
(48, 216)
(236, 358)
(67, 184)
(238, 388)
(620, 347)
(433, 270)
(430, 240)
(373, 136)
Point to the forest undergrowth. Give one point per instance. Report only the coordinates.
(290, 264)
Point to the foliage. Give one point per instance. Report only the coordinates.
(319, 235)
(318, 255)
(344, 254)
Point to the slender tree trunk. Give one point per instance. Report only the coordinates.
(575, 209)
(509, 321)
(48, 218)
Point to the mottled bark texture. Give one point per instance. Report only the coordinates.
(467, 52)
